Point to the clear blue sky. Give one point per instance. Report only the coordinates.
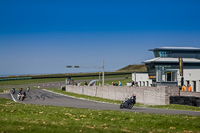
(43, 36)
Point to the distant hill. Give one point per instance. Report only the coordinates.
(133, 68)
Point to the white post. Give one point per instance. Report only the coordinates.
(99, 75)
(135, 77)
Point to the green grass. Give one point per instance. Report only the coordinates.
(17, 117)
(171, 106)
(30, 81)
(46, 80)
(133, 68)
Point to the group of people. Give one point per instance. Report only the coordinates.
(184, 88)
(116, 84)
(21, 95)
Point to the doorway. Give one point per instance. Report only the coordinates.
(194, 86)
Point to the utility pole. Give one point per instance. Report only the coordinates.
(135, 77)
(103, 74)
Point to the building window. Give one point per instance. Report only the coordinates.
(163, 53)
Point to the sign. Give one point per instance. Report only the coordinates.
(180, 66)
(152, 77)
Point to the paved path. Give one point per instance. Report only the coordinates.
(43, 97)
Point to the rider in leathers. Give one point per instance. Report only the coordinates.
(130, 98)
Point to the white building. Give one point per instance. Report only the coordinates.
(142, 79)
(164, 68)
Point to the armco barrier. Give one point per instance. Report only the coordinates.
(7, 79)
(146, 95)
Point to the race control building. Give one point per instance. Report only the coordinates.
(164, 69)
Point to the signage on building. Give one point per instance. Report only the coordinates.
(181, 66)
(152, 77)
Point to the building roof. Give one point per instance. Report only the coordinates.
(171, 60)
(176, 48)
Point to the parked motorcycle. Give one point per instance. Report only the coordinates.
(128, 102)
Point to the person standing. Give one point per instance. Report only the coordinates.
(120, 84)
(189, 88)
(133, 83)
(183, 88)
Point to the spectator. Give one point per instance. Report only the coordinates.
(113, 83)
(120, 84)
(86, 83)
(183, 88)
(189, 88)
(133, 83)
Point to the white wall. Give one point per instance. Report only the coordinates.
(146, 95)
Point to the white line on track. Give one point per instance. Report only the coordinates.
(12, 97)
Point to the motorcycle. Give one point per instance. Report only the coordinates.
(128, 103)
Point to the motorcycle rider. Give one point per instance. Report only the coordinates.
(28, 89)
(13, 90)
(131, 98)
(23, 96)
(19, 96)
(20, 90)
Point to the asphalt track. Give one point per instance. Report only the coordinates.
(45, 97)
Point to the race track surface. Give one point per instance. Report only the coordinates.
(44, 97)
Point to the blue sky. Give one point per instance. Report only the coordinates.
(43, 36)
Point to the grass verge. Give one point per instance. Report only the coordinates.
(47, 80)
(171, 106)
(17, 117)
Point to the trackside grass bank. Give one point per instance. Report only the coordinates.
(17, 117)
(60, 79)
(171, 106)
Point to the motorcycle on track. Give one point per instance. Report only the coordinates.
(128, 102)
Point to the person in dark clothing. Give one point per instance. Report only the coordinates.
(133, 83)
(130, 99)
(23, 95)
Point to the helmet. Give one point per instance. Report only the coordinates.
(133, 95)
